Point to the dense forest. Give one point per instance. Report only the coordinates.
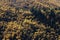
(29, 23)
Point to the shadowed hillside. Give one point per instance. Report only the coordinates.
(30, 20)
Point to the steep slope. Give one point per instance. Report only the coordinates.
(30, 3)
(50, 3)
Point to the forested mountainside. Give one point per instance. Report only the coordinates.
(45, 3)
(29, 20)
